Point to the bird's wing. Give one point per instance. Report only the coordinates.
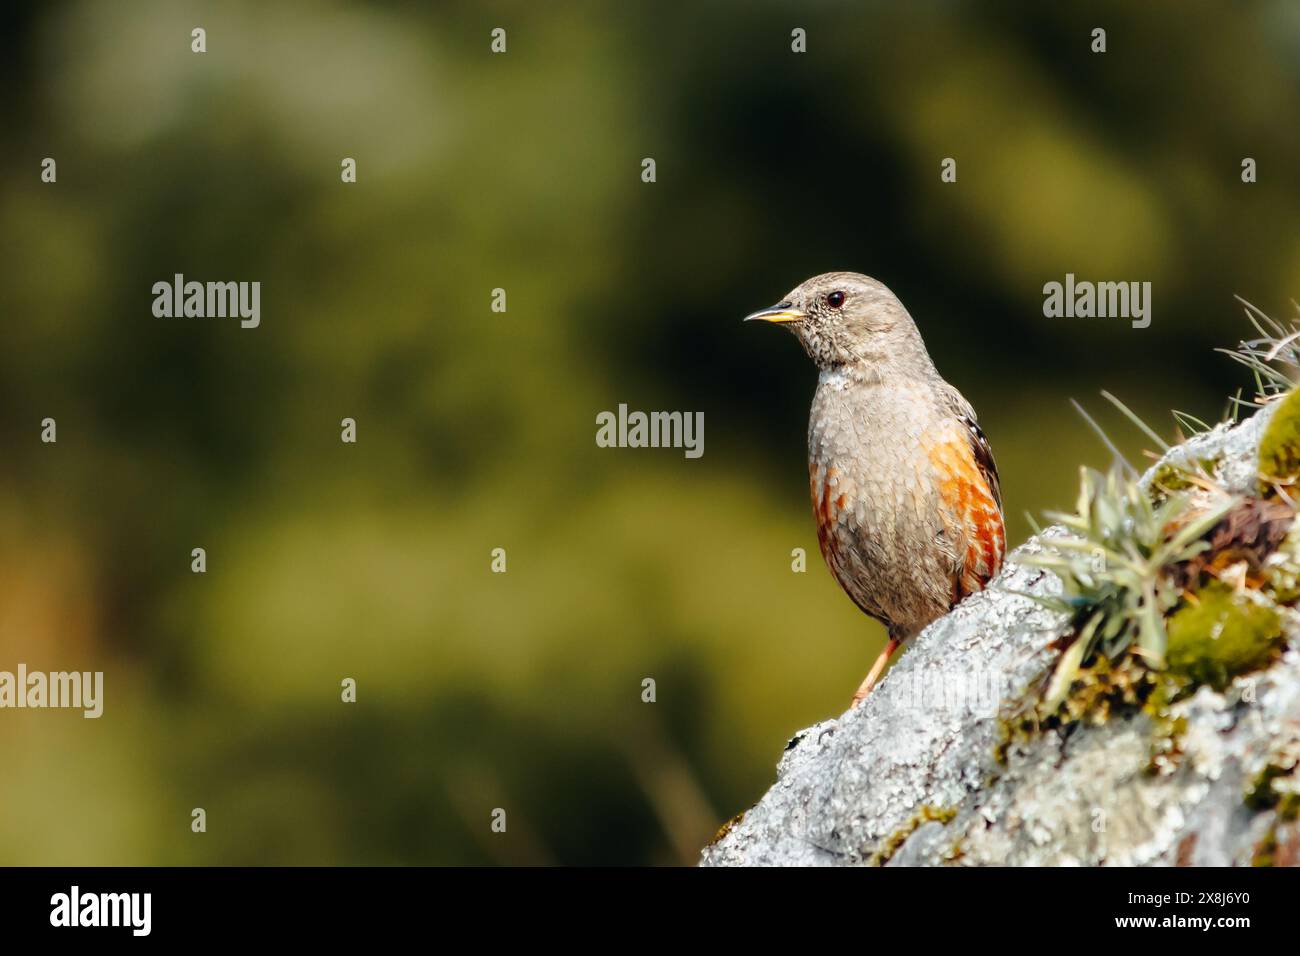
(979, 442)
(973, 496)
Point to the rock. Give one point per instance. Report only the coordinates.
(923, 774)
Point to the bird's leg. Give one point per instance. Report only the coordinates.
(876, 669)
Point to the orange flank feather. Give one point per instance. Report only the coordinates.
(972, 509)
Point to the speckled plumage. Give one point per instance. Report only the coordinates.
(904, 488)
(906, 522)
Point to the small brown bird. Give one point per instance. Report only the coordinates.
(904, 489)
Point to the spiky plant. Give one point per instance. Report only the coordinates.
(1113, 566)
(1273, 358)
(1123, 541)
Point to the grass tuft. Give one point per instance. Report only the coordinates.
(1129, 581)
(1273, 358)
(1115, 569)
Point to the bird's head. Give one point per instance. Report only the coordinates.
(846, 319)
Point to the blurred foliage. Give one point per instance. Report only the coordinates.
(476, 430)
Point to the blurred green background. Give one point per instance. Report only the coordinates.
(476, 430)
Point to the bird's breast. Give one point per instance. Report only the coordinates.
(880, 521)
(867, 455)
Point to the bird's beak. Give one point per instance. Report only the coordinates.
(781, 312)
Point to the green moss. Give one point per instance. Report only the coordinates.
(1115, 570)
(1288, 807)
(1260, 795)
(1283, 583)
(1170, 478)
(893, 842)
(1104, 689)
(1266, 849)
(1274, 788)
(726, 828)
(1167, 729)
(1279, 449)
(1122, 689)
(1012, 730)
(1222, 635)
(1216, 635)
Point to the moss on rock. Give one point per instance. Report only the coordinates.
(726, 828)
(1279, 448)
(1277, 785)
(1167, 730)
(1266, 849)
(1283, 567)
(894, 842)
(1170, 478)
(1221, 635)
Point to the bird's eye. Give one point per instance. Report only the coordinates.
(835, 300)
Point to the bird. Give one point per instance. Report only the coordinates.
(905, 492)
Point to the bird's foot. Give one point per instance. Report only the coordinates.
(877, 669)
